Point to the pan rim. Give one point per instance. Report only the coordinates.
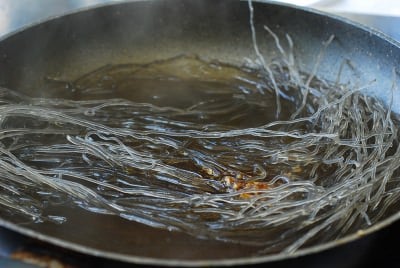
(306, 9)
(129, 258)
(175, 262)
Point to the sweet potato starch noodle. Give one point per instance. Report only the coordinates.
(262, 154)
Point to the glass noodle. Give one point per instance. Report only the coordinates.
(263, 154)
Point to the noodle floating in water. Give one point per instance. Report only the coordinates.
(264, 156)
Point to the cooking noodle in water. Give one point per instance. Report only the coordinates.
(263, 154)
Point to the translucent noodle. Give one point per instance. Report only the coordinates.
(326, 168)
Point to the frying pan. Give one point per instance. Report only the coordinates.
(143, 31)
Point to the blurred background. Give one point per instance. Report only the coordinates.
(383, 15)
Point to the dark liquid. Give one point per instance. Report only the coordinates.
(206, 97)
(186, 82)
(182, 144)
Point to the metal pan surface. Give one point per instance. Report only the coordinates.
(144, 31)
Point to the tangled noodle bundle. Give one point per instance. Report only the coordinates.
(327, 167)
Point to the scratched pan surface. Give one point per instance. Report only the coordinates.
(143, 31)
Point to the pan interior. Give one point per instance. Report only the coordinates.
(220, 35)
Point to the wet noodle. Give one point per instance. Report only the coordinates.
(195, 146)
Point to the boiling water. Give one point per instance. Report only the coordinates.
(195, 146)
